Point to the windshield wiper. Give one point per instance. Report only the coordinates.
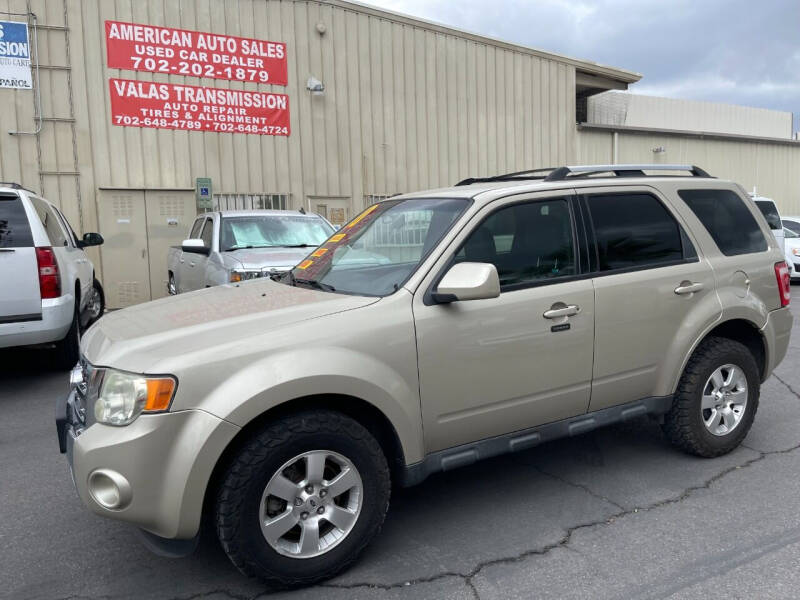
(284, 277)
(313, 283)
(248, 247)
(297, 246)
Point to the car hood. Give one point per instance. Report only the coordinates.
(261, 258)
(139, 337)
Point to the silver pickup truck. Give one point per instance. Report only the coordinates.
(231, 246)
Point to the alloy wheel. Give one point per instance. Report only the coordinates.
(311, 504)
(724, 399)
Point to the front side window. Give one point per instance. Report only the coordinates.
(55, 232)
(194, 234)
(728, 219)
(527, 243)
(376, 252)
(273, 231)
(633, 231)
(206, 233)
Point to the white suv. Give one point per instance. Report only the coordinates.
(49, 290)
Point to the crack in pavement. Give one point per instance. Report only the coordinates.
(567, 537)
(575, 484)
(788, 386)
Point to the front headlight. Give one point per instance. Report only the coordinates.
(122, 397)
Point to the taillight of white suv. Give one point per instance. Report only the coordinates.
(784, 282)
(49, 277)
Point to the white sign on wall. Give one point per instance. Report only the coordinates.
(15, 56)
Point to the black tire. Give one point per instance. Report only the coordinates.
(249, 471)
(683, 424)
(67, 351)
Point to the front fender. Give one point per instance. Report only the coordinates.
(298, 373)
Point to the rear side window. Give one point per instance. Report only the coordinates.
(55, 232)
(770, 212)
(728, 219)
(15, 232)
(633, 231)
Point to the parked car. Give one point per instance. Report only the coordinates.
(791, 222)
(49, 292)
(491, 317)
(773, 217)
(793, 253)
(232, 246)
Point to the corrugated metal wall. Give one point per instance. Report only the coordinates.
(634, 110)
(773, 168)
(406, 107)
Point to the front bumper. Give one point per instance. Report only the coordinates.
(166, 459)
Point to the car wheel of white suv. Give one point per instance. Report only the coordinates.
(67, 350)
(716, 399)
(302, 498)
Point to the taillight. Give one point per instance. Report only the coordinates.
(49, 278)
(784, 283)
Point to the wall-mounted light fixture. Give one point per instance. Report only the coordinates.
(315, 86)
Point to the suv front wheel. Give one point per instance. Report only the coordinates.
(302, 498)
(716, 399)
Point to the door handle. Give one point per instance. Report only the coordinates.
(182, 261)
(688, 287)
(191, 264)
(567, 311)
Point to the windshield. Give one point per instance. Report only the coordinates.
(272, 231)
(376, 252)
(770, 212)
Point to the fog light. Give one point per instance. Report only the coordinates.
(110, 489)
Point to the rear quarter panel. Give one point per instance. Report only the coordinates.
(745, 284)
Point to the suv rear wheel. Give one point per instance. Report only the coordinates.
(716, 400)
(67, 351)
(302, 499)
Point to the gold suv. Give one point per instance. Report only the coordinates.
(433, 330)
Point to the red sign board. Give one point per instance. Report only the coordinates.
(194, 53)
(193, 108)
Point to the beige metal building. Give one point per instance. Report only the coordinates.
(406, 105)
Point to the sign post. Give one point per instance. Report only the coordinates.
(15, 56)
(203, 194)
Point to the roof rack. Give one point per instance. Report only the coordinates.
(12, 185)
(530, 174)
(621, 170)
(562, 173)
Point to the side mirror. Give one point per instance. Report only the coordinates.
(195, 246)
(468, 281)
(91, 239)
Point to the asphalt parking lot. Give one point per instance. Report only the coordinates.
(616, 513)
